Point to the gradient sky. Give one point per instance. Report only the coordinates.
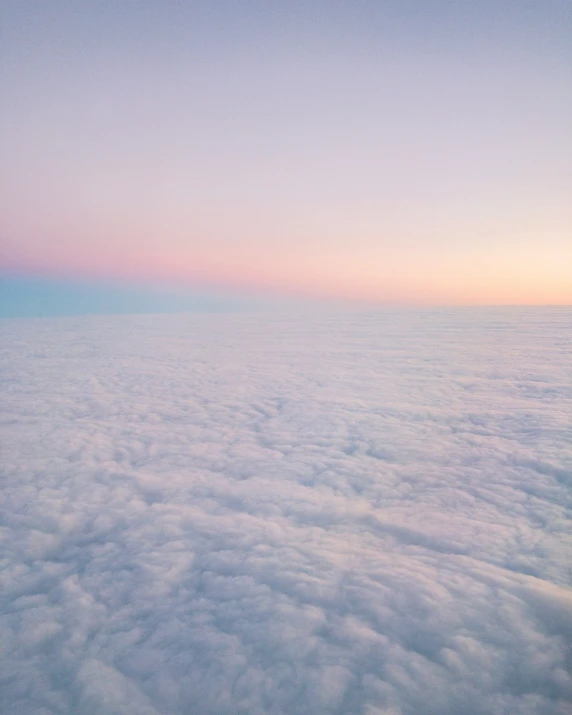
(394, 151)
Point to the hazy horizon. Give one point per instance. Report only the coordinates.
(31, 296)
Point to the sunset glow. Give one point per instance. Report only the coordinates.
(374, 154)
(285, 339)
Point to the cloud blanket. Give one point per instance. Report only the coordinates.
(353, 514)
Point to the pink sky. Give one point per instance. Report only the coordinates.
(401, 165)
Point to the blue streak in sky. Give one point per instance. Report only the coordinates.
(31, 296)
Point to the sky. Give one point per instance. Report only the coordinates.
(262, 514)
(384, 152)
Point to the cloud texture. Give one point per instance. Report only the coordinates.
(355, 514)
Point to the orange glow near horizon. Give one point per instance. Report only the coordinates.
(393, 279)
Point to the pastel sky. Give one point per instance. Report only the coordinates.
(395, 151)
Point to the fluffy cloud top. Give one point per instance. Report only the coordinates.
(345, 515)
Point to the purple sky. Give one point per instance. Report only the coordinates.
(392, 151)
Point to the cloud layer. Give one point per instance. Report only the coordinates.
(351, 514)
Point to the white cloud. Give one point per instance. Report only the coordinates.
(253, 514)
